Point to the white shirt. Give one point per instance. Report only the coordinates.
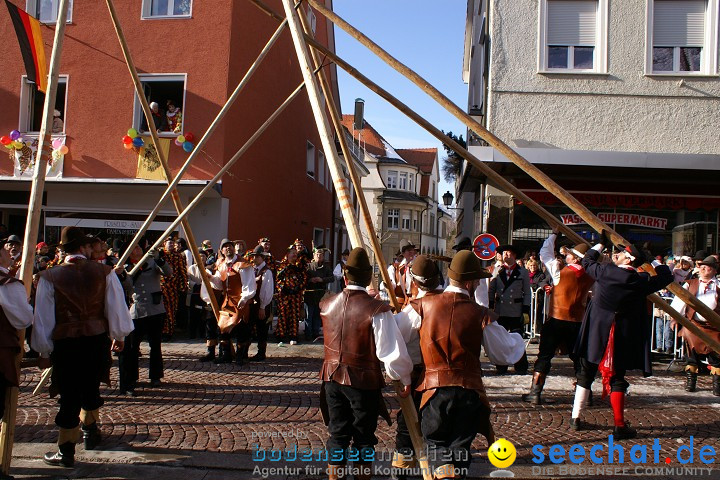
(391, 274)
(13, 300)
(116, 311)
(188, 257)
(218, 280)
(411, 336)
(388, 345)
(267, 288)
(408, 278)
(338, 272)
(547, 257)
(501, 346)
(481, 293)
(708, 297)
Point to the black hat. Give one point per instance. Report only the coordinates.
(463, 244)
(345, 252)
(13, 239)
(358, 268)
(406, 245)
(425, 272)
(699, 255)
(72, 238)
(259, 250)
(637, 254)
(710, 261)
(512, 248)
(225, 241)
(466, 266)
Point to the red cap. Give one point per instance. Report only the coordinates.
(40, 245)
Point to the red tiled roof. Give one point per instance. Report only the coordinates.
(371, 139)
(423, 158)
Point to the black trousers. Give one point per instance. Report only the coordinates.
(128, 360)
(588, 371)
(694, 358)
(78, 366)
(516, 325)
(450, 421)
(261, 326)
(556, 333)
(4, 386)
(403, 443)
(353, 418)
(211, 326)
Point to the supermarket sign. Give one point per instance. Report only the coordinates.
(620, 219)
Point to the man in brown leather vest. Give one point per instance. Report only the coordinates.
(79, 307)
(360, 333)
(566, 306)
(454, 407)
(426, 277)
(15, 314)
(707, 289)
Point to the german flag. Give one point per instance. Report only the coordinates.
(30, 39)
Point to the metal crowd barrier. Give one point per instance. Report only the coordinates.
(537, 318)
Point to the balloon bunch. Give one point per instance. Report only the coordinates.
(133, 139)
(185, 141)
(13, 141)
(58, 148)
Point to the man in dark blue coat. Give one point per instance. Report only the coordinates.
(615, 333)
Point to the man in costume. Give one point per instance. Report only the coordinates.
(706, 288)
(566, 307)
(405, 290)
(79, 307)
(338, 272)
(319, 276)
(615, 333)
(453, 328)
(360, 332)
(260, 311)
(510, 296)
(481, 292)
(174, 287)
(234, 277)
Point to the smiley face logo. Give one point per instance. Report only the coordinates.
(502, 453)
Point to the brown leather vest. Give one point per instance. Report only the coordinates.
(569, 297)
(451, 336)
(694, 288)
(79, 298)
(233, 292)
(401, 274)
(9, 340)
(350, 357)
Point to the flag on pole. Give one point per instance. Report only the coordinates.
(27, 29)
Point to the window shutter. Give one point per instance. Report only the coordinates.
(572, 22)
(679, 23)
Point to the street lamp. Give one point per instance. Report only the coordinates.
(447, 201)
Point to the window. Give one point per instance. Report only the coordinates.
(318, 235)
(168, 91)
(402, 185)
(406, 221)
(431, 226)
(166, 8)
(310, 160)
(412, 177)
(46, 11)
(415, 220)
(32, 102)
(683, 37)
(392, 179)
(573, 36)
(433, 190)
(393, 218)
(321, 168)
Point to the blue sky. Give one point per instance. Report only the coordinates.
(425, 35)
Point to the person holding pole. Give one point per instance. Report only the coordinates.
(567, 299)
(453, 328)
(360, 333)
(15, 314)
(79, 308)
(615, 333)
(707, 289)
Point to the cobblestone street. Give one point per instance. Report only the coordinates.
(206, 420)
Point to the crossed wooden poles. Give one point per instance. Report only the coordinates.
(311, 68)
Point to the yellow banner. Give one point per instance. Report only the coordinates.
(149, 166)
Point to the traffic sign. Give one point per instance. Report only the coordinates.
(485, 245)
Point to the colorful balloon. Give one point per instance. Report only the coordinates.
(187, 146)
(127, 146)
(63, 150)
(14, 135)
(18, 145)
(189, 137)
(132, 133)
(57, 143)
(178, 143)
(181, 139)
(5, 140)
(138, 142)
(127, 140)
(8, 146)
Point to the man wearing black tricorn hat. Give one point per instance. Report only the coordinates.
(510, 296)
(360, 332)
(615, 332)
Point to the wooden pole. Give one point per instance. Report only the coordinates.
(219, 175)
(156, 141)
(356, 181)
(538, 175)
(32, 225)
(681, 319)
(198, 148)
(326, 139)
